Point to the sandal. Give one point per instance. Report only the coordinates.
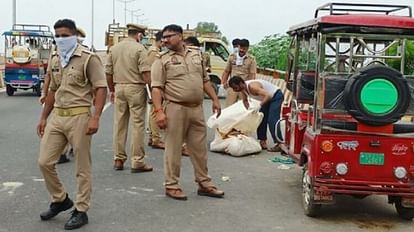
(275, 148)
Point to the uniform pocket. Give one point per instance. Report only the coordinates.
(76, 77)
(175, 70)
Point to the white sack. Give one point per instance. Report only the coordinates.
(237, 117)
(239, 145)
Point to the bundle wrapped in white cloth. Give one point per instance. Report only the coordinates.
(235, 128)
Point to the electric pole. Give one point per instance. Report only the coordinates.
(125, 8)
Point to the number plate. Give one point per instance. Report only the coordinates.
(367, 158)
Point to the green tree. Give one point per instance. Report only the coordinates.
(210, 27)
(272, 52)
(409, 58)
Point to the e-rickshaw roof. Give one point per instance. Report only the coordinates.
(29, 30)
(358, 18)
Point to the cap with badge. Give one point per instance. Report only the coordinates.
(138, 27)
(81, 32)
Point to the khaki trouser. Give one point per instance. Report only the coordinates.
(130, 102)
(155, 135)
(185, 124)
(59, 131)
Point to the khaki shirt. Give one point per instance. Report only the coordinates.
(152, 54)
(207, 60)
(127, 61)
(182, 77)
(246, 71)
(73, 88)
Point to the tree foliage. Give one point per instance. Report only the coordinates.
(272, 52)
(210, 27)
(409, 58)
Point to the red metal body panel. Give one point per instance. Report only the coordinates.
(28, 66)
(361, 179)
(369, 20)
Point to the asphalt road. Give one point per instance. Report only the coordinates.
(260, 196)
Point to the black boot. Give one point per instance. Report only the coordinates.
(77, 220)
(63, 159)
(56, 207)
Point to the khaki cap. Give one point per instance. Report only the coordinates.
(138, 27)
(81, 32)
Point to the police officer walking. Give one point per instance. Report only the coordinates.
(127, 72)
(81, 37)
(241, 64)
(73, 77)
(180, 77)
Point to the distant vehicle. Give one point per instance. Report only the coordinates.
(210, 42)
(352, 91)
(27, 50)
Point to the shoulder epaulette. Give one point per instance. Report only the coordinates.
(160, 54)
(88, 52)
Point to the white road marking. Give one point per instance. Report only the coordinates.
(10, 187)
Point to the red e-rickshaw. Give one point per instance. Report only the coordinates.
(349, 123)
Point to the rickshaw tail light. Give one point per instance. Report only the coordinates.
(326, 168)
(400, 172)
(342, 169)
(326, 146)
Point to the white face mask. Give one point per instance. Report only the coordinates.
(66, 46)
(236, 50)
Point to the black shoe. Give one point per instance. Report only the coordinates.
(63, 159)
(56, 207)
(77, 220)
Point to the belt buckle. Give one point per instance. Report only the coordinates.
(66, 112)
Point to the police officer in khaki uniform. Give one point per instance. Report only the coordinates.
(74, 73)
(240, 64)
(180, 77)
(127, 72)
(155, 135)
(81, 37)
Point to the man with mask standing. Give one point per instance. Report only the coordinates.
(81, 37)
(73, 77)
(179, 76)
(127, 72)
(235, 43)
(240, 64)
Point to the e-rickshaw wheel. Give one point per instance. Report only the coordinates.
(9, 90)
(403, 212)
(310, 208)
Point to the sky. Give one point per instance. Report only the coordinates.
(235, 18)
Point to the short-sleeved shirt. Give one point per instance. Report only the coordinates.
(181, 76)
(127, 61)
(246, 71)
(74, 83)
